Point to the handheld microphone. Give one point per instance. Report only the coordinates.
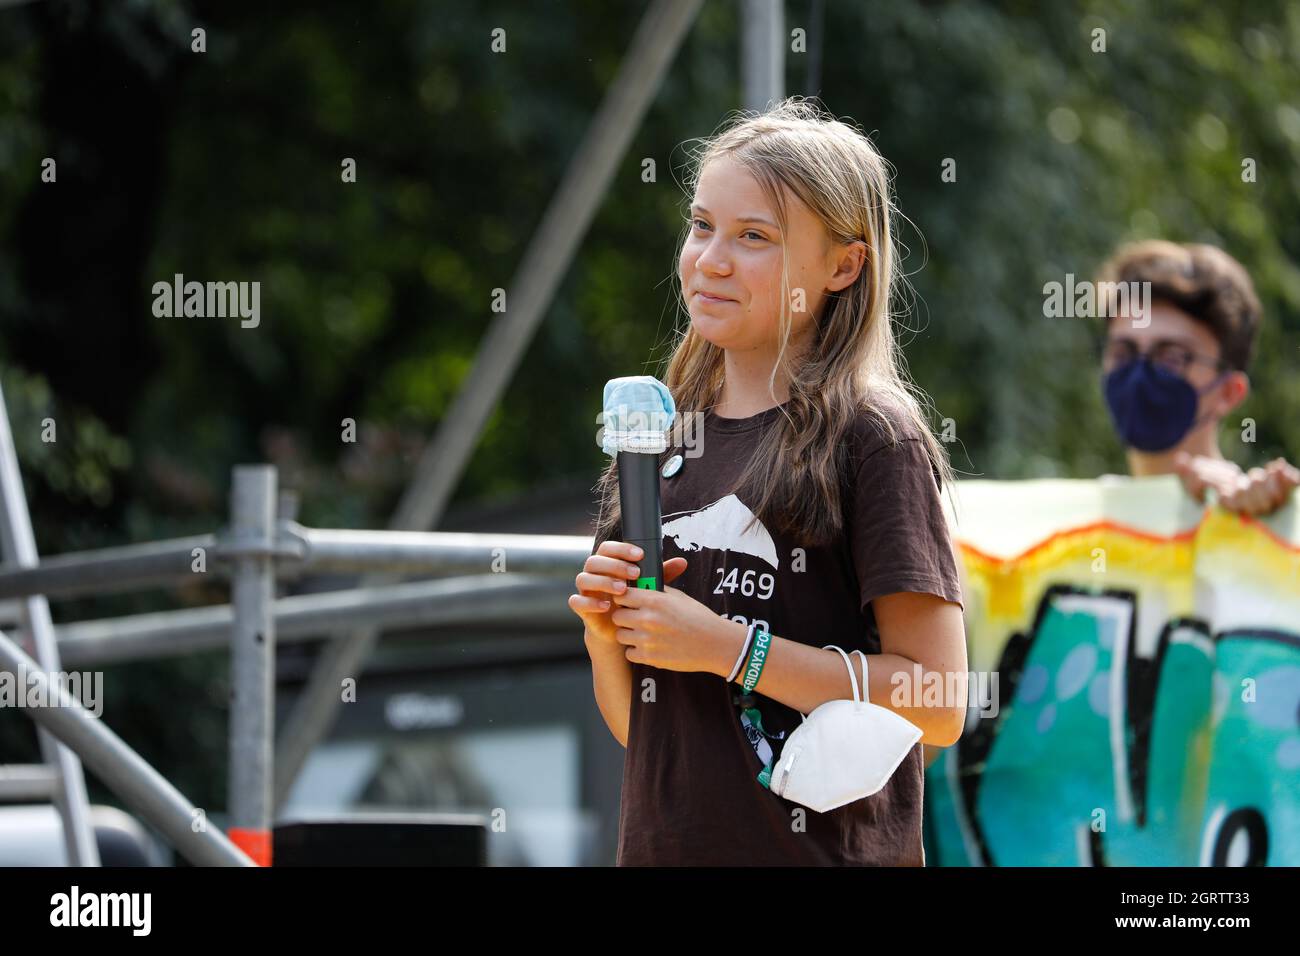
(639, 411)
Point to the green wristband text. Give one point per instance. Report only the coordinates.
(757, 658)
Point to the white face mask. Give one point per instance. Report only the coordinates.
(844, 750)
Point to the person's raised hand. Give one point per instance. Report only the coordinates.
(1199, 472)
(1259, 491)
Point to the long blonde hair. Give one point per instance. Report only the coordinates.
(852, 363)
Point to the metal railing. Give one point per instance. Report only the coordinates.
(486, 578)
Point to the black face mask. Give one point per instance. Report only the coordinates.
(1152, 408)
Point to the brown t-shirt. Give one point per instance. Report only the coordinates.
(690, 790)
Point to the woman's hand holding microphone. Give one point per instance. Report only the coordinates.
(605, 575)
(667, 629)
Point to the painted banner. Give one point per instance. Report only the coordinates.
(1139, 656)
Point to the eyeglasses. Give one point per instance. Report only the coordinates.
(1171, 356)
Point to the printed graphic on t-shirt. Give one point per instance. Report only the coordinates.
(729, 527)
(752, 720)
(721, 526)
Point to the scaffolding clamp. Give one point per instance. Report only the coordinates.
(289, 542)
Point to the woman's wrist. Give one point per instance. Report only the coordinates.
(600, 645)
(731, 637)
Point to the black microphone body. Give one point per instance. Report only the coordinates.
(638, 491)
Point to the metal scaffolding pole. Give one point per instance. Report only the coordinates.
(124, 771)
(251, 544)
(441, 552)
(19, 545)
(762, 24)
(547, 259)
(107, 570)
(298, 550)
(545, 262)
(524, 600)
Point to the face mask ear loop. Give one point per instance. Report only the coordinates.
(866, 686)
(1201, 419)
(1217, 379)
(853, 678)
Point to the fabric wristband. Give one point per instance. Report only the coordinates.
(757, 658)
(744, 649)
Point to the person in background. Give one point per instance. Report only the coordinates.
(1172, 376)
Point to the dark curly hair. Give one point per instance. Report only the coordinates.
(1201, 280)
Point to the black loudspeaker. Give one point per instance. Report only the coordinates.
(415, 839)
